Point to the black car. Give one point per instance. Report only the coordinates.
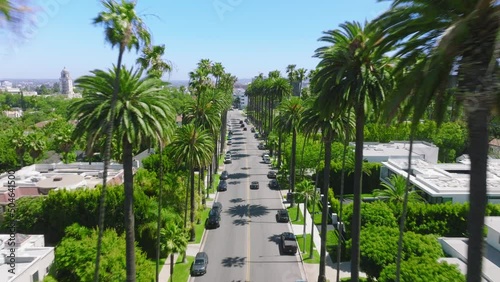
(217, 206)
(242, 125)
(282, 216)
(213, 220)
(261, 146)
(271, 174)
(289, 243)
(244, 129)
(273, 184)
(228, 160)
(200, 263)
(254, 185)
(222, 186)
(224, 175)
(252, 129)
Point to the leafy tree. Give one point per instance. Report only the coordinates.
(395, 191)
(377, 213)
(175, 241)
(419, 269)
(76, 253)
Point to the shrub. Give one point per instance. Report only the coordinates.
(422, 269)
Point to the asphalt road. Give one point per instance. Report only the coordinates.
(245, 248)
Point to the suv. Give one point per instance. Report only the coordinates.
(222, 186)
(282, 216)
(252, 129)
(271, 174)
(213, 220)
(254, 185)
(267, 160)
(289, 243)
(227, 159)
(273, 184)
(200, 263)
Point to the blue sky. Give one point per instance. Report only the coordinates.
(246, 36)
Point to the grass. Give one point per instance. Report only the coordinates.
(199, 228)
(331, 244)
(212, 189)
(305, 255)
(317, 216)
(221, 160)
(292, 213)
(181, 270)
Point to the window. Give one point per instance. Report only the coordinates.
(34, 277)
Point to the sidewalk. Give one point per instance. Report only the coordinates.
(312, 269)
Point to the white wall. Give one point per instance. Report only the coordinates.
(493, 239)
(41, 265)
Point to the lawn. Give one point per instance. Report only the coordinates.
(331, 244)
(317, 216)
(305, 255)
(214, 184)
(199, 228)
(181, 270)
(292, 213)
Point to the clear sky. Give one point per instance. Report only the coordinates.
(246, 36)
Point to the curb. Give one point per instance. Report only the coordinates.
(303, 272)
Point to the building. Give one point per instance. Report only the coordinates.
(456, 248)
(380, 152)
(14, 113)
(239, 95)
(38, 179)
(32, 258)
(66, 83)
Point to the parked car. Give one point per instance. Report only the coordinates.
(213, 220)
(200, 264)
(224, 175)
(256, 135)
(282, 215)
(288, 243)
(229, 142)
(244, 129)
(261, 146)
(252, 129)
(273, 184)
(242, 125)
(254, 185)
(222, 186)
(217, 206)
(267, 160)
(271, 174)
(228, 160)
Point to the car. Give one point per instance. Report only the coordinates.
(288, 243)
(217, 206)
(200, 264)
(242, 125)
(261, 146)
(254, 185)
(244, 129)
(228, 160)
(267, 160)
(241, 122)
(271, 174)
(256, 135)
(282, 215)
(273, 184)
(228, 154)
(229, 142)
(229, 137)
(252, 129)
(222, 186)
(213, 220)
(224, 175)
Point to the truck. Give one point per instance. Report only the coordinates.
(288, 243)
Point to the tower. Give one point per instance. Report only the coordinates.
(66, 83)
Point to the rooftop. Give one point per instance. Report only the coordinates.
(493, 222)
(374, 151)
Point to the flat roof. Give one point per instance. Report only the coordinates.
(421, 149)
(437, 180)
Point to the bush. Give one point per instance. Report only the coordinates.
(424, 269)
(377, 213)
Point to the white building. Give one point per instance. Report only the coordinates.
(457, 249)
(239, 93)
(32, 259)
(66, 83)
(14, 113)
(381, 152)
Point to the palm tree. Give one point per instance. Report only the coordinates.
(151, 60)
(175, 242)
(20, 143)
(462, 35)
(395, 191)
(35, 145)
(306, 192)
(125, 29)
(143, 115)
(192, 146)
(336, 125)
(352, 73)
(64, 142)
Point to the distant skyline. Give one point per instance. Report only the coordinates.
(247, 36)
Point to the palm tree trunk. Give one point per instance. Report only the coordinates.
(158, 222)
(107, 157)
(341, 202)
(292, 172)
(358, 174)
(172, 267)
(315, 203)
(478, 153)
(193, 205)
(279, 149)
(324, 212)
(129, 210)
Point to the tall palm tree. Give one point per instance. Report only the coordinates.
(193, 146)
(395, 191)
(151, 61)
(290, 113)
(335, 125)
(352, 73)
(125, 29)
(433, 39)
(175, 242)
(143, 115)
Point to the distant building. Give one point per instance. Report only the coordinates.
(14, 113)
(32, 258)
(66, 83)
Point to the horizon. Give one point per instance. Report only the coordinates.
(247, 37)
